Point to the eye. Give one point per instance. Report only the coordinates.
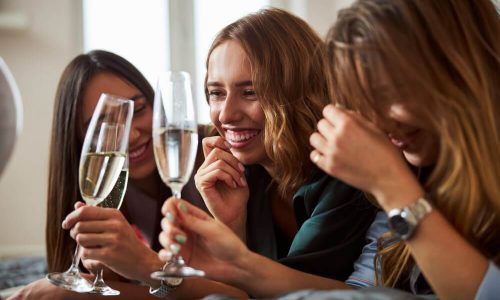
(216, 95)
(250, 94)
(139, 108)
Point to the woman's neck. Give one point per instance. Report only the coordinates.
(270, 169)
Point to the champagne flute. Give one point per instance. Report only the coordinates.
(175, 140)
(102, 161)
(113, 200)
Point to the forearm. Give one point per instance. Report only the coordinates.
(451, 265)
(196, 288)
(262, 277)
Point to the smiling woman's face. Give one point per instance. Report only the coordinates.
(234, 106)
(141, 157)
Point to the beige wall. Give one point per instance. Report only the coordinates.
(36, 56)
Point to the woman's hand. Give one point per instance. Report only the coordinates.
(41, 289)
(221, 182)
(354, 150)
(105, 236)
(204, 242)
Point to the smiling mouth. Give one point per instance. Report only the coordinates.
(405, 142)
(138, 153)
(241, 137)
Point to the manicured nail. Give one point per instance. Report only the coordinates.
(183, 207)
(227, 144)
(175, 248)
(170, 217)
(165, 255)
(243, 181)
(242, 168)
(180, 238)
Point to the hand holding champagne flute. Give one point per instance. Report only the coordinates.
(175, 140)
(103, 165)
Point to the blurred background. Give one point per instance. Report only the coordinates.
(38, 39)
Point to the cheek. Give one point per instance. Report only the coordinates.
(214, 114)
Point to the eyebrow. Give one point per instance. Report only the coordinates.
(238, 84)
(134, 98)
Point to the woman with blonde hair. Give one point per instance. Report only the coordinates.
(424, 76)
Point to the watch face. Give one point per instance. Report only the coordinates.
(173, 281)
(399, 225)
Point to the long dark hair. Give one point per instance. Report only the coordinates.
(65, 146)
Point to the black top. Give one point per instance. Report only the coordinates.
(332, 220)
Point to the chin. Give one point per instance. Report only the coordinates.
(419, 160)
(142, 171)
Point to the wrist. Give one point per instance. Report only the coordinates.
(398, 193)
(150, 265)
(245, 271)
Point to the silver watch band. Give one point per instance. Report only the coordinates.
(165, 289)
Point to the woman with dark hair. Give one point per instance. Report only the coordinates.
(424, 76)
(131, 232)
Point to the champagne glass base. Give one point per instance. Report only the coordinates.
(70, 281)
(175, 270)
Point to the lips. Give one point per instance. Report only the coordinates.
(405, 141)
(139, 153)
(239, 138)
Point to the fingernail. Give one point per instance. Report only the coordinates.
(242, 168)
(339, 105)
(183, 207)
(180, 238)
(165, 255)
(64, 224)
(170, 217)
(175, 248)
(243, 181)
(227, 145)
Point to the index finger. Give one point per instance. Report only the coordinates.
(87, 213)
(209, 143)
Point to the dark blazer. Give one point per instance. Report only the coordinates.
(332, 220)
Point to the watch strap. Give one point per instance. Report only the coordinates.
(165, 289)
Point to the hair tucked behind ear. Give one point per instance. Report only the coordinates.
(446, 56)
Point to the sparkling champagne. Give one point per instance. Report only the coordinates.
(175, 152)
(115, 197)
(98, 175)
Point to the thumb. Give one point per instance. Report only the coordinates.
(79, 204)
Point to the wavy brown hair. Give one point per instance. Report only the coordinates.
(65, 145)
(286, 58)
(446, 56)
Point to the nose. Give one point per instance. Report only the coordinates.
(385, 123)
(230, 110)
(135, 133)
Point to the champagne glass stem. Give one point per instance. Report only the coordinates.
(98, 281)
(75, 261)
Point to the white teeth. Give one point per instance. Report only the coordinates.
(234, 136)
(137, 152)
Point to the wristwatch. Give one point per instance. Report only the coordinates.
(404, 221)
(167, 285)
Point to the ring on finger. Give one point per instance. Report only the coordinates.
(316, 158)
